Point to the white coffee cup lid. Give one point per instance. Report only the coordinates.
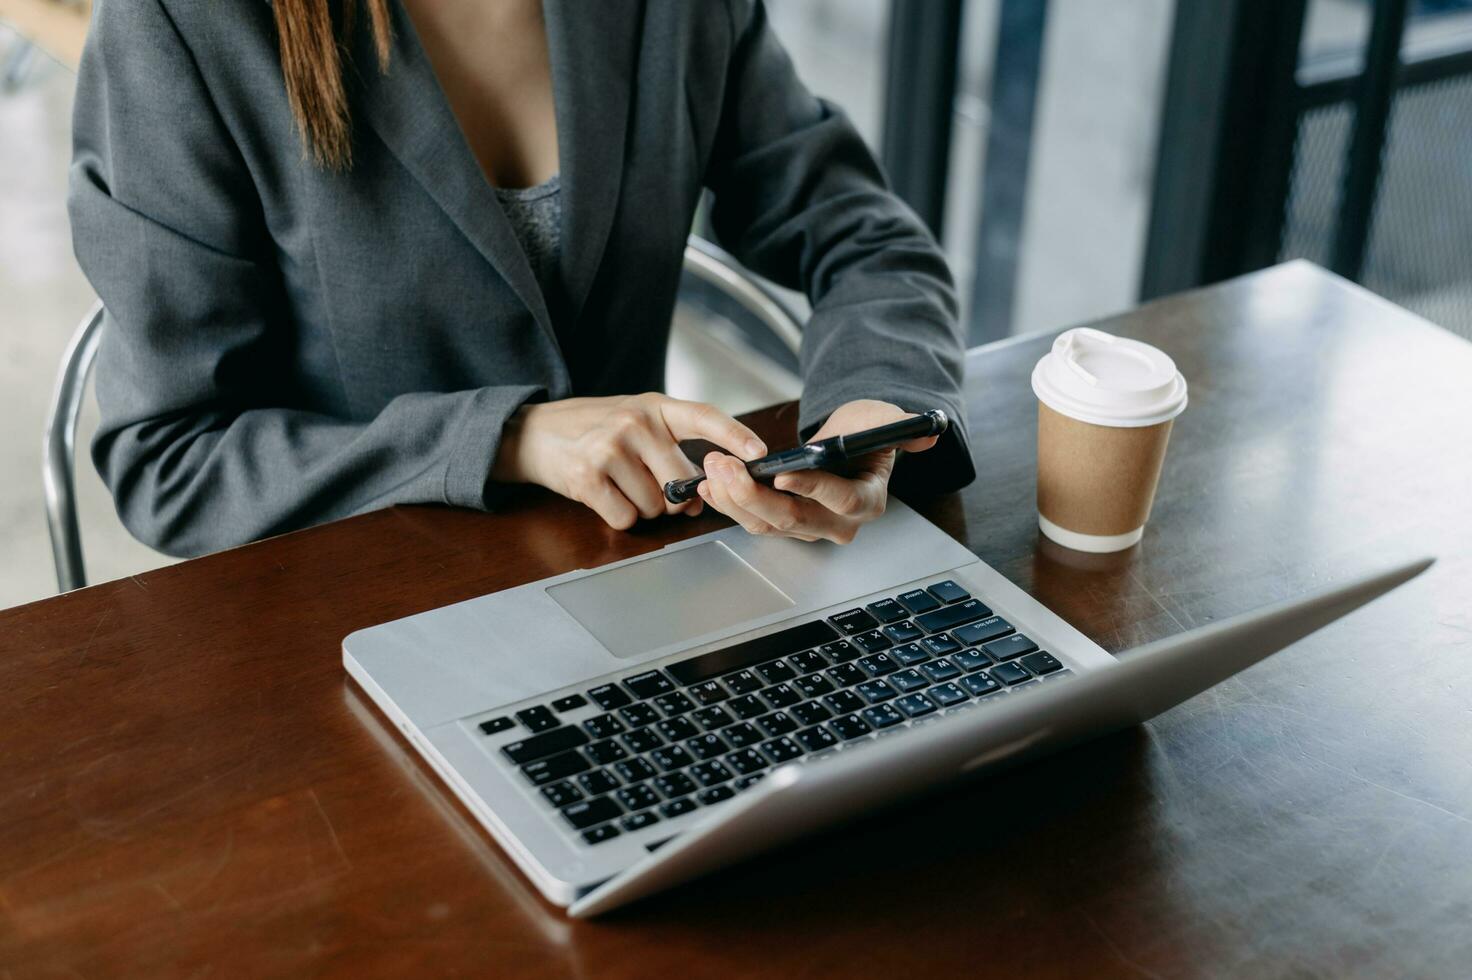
(1097, 377)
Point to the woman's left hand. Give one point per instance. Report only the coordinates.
(812, 504)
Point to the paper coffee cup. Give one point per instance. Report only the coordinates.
(1105, 409)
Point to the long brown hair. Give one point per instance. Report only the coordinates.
(312, 50)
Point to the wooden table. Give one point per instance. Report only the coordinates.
(189, 783)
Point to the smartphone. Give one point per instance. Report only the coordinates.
(832, 453)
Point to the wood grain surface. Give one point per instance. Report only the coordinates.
(190, 785)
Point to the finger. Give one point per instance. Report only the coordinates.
(611, 505)
(919, 445)
(714, 491)
(697, 420)
(785, 514)
(661, 454)
(637, 484)
(857, 499)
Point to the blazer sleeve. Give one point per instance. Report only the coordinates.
(798, 198)
(169, 229)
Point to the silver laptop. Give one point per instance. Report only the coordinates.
(622, 729)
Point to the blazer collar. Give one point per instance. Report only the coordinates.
(593, 49)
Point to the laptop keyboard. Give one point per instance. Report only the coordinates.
(666, 741)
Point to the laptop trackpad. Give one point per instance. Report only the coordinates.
(669, 598)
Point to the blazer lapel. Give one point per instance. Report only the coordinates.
(594, 51)
(409, 111)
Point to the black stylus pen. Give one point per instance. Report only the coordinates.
(826, 454)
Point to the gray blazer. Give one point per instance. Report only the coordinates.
(286, 346)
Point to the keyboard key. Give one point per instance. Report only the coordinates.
(776, 671)
(677, 729)
(781, 696)
(1009, 674)
(919, 601)
(674, 703)
(776, 723)
(603, 726)
(493, 725)
(841, 651)
(877, 665)
(671, 757)
(588, 812)
(676, 808)
(633, 770)
(741, 735)
(674, 785)
(537, 719)
(641, 740)
(638, 715)
(809, 713)
(1041, 662)
(946, 695)
(747, 706)
(845, 675)
(707, 746)
(710, 773)
(604, 752)
(562, 793)
(980, 684)
(649, 684)
(746, 762)
(597, 782)
(637, 797)
(812, 685)
(716, 794)
(876, 690)
(808, 661)
(752, 652)
(569, 703)
(850, 727)
(908, 680)
(746, 782)
(948, 591)
(600, 834)
(609, 696)
(969, 660)
(987, 629)
(940, 670)
(872, 642)
(708, 692)
(940, 645)
(545, 744)
(713, 717)
(952, 616)
(1009, 648)
(743, 682)
(888, 611)
(781, 750)
(903, 632)
(638, 821)
(843, 702)
(853, 621)
(915, 705)
(815, 739)
(909, 654)
(882, 715)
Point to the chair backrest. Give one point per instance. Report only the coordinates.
(704, 261)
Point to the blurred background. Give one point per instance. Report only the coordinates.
(1074, 158)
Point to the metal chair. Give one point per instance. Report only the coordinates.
(704, 261)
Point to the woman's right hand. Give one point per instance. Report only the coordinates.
(616, 454)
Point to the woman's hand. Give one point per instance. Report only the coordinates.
(615, 454)
(812, 504)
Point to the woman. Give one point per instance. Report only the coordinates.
(326, 293)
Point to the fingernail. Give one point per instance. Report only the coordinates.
(755, 450)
